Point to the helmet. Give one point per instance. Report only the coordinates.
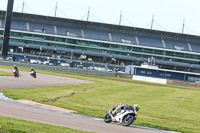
(137, 107)
(14, 65)
(31, 67)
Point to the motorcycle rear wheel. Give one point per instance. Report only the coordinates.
(107, 118)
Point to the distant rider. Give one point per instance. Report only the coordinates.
(118, 108)
(32, 70)
(15, 68)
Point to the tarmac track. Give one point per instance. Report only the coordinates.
(31, 113)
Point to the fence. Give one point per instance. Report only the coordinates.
(59, 68)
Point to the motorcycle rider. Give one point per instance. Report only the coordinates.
(16, 68)
(32, 70)
(118, 108)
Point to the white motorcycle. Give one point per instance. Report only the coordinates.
(124, 116)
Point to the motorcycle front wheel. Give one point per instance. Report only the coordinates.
(107, 118)
(128, 120)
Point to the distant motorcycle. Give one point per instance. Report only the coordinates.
(125, 117)
(16, 73)
(33, 73)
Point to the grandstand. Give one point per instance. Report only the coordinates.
(61, 40)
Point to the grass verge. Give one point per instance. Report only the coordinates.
(5, 73)
(164, 107)
(11, 125)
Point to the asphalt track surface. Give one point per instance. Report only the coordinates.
(31, 113)
(42, 80)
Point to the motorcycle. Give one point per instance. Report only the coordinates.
(16, 73)
(33, 73)
(124, 116)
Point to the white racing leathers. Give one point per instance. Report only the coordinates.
(122, 114)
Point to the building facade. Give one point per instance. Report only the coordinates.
(60, 40)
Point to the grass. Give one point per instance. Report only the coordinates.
(11, 125)
(164, 107)
(5, 73)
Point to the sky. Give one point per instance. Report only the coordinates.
(169, 15)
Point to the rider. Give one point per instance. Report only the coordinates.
(118, 108)
(15, 68)
(32, 70)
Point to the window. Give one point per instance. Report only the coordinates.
(137, 49)
(193, 79)
(169, 53)
(142, 71)
(148, 72)
(72, 34)
(148, 51)
(179, 54)
(39, 30)
(162, 74)
(168, 75)
(158, 52)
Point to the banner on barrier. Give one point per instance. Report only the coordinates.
(150, 79)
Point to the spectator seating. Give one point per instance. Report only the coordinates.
(177, 45)
(149, 41)
(195, 47)
(68, 31)
(97, 35)
(103, 35)
(18, 25)
(41, 28)
(123, 38)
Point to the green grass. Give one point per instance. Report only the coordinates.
(164, 107)
(5, 73)
(11, 125)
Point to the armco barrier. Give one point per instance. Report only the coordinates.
(58, 68)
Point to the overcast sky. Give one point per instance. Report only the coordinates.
(168, 14)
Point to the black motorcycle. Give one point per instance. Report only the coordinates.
(33, 73)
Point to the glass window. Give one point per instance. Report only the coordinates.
(162, 74)
(142, 71)
(193, 79)
(158, 52)
(49, 38)
(190, 56)
(148, 51)
(169, 53)
(38, 37)
(71, 41)
(179, 54)
(168, 75)
(197, 56)
(137, 49)
(148, 72)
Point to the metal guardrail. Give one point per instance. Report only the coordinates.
(58, 68)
